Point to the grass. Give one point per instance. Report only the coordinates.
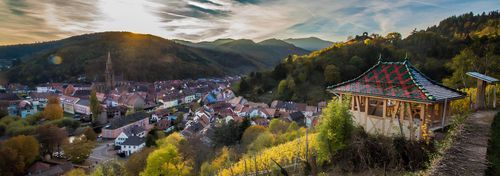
(494, 148)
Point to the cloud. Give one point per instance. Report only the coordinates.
(24, 21)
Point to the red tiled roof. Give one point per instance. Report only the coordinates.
(398, 80)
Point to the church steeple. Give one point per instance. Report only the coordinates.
(109, 74)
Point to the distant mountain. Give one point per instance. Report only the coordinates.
(311, 43)
(270, 52)
(135, 56)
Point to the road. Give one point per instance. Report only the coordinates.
(103, 152)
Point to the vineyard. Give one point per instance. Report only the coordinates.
(284, 154)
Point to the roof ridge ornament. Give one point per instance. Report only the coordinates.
(406, 57)
(379, 57)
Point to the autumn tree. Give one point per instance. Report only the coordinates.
(95, 107)
(75, 172)
(263, 141)
(251, 133)
(78, 150)
(137, 161)
(53, 110)
(166, 161)
(90, 134)
(51, 137)
(17, 154)
(277, 126)
(335, 129)
(110, 168)
(195, 151)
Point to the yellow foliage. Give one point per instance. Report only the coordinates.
(53, 110)
(173, 139)
(222, 160)
(284, 154)
(462, 106)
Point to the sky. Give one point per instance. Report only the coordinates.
(28, 21)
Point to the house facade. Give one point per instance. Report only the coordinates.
(132, 144)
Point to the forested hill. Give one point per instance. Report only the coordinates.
(135, 56)
(270, 51)
(443, 52)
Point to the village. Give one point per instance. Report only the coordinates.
(130, 110)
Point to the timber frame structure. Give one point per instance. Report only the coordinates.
(394, 98)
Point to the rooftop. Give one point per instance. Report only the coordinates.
(120, 122)
(399, 80)
(480, 76)
(133, 140)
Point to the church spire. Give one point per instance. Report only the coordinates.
(109, 74)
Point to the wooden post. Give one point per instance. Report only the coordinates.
(422, 118)
(481, 88)
(341, 97)
(494, 96)
(384, 114)
(412, 132)
(366, 105)
(444, 113)
(352, 102)
(401, 117)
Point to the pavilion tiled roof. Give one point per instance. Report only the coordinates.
(398, 80)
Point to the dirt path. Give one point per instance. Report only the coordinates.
(467, 155)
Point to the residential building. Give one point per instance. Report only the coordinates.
(132, 144)
(118, 125)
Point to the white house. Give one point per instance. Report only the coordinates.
(129, 132)
(189, 98)
(169, 103)
(132, 144)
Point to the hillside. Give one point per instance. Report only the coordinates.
(269, 52)
(439, 55)
(311, 43)
(135, 56)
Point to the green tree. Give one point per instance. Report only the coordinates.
(251, 133)
(79, 150)
(263, 141)
(95, 106)
(332, 74)
(277, 126)
(17, 154)
(282, 86)
(166, 161)
(335, 129)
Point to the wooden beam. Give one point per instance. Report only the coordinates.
(422, 118)
(367, 101)
(384, 114)
(401, 116)
(412, 131)
(352, 103)
(358, 103)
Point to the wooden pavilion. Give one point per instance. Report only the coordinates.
(394, 98)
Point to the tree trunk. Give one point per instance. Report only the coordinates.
(481, 88)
